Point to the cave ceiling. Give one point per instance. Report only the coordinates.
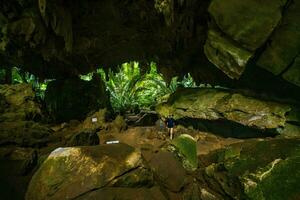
(218, 41)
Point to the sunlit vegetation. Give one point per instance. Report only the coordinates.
(20, 76)
(130, 90)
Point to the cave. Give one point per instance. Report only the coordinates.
(149, 99)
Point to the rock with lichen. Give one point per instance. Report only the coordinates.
(18, 103)
(72, 172)
(187, 148)
(233, 38)
(243, 170)
(219, 104)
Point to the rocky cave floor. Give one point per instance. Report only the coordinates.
(71, 160)
(18, 164)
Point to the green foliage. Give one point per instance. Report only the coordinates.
(87, 77)
(20, 76)
(188, 81)
(131, 90)
(123, 87)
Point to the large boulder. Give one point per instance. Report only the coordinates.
(187, 149)
(229, 57)
(217, 104)
(120, 193)
(71, 172)
(280, 55)
(168, 171)
(239, 29)
(248, 22)
(18, 103)
(243, 170)
(75, 98)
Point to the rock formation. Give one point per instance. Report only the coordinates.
(210, 104)
(58, 39)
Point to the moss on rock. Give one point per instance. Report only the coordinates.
(264, 169)
(186, 146)
(70, 172)
(214, 104)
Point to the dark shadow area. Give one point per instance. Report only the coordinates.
(226, 128)
(267, 85)
(13, 184)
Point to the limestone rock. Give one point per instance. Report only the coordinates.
(24, 133)
(70, 172)
(140, 177)
(293, 73)
(74, 98)
(238, 29)
(168, 171)
(84, 139)
(245, 167)
(284, 45)
(214, 104)
(187, 148)
(226, 55)
(112, 193)
(95, 122)
(118, 125)
(19, 103)
(290, 131)
(248, 22)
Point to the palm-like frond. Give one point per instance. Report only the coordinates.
(130, 89)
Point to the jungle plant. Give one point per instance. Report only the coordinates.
(131, 90)
(188, 81)
(21, 76)
(122, 86)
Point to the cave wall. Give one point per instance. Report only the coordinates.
(242, 44)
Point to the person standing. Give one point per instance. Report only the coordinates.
(170, 122)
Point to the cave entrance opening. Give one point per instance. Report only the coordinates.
(17, 75)
(133, 89)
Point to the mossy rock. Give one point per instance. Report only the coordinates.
(284, 47)
(262, 169)
(247, 22)
(226, 55)
(70, 172)
(187, 148)
(278, 180)
(220, 104)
